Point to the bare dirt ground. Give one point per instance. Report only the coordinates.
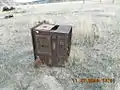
(94, 52)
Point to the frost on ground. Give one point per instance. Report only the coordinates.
(94, 52)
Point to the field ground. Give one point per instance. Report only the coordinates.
(94, 52)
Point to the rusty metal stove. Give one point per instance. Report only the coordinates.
(51, 43)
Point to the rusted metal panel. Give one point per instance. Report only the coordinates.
(51, 43)
(43, 45)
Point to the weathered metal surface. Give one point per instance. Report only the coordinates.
(51, 43)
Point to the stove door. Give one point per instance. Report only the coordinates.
(43, 44)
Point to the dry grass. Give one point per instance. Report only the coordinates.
(93, 53)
